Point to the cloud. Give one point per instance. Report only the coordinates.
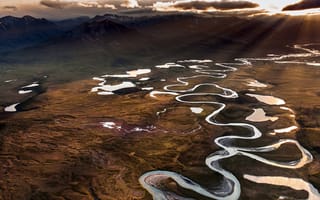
(57, 4)
(302, 5)
(110, 6)
(94, 4)
(130, 4)
(204, 5)
(60, 4)
(11, 8)
(218, 5)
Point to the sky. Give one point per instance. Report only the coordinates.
(59, 9)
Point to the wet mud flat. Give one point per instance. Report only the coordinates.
(78, 144)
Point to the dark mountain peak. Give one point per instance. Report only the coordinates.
(21, 32)
(117, 16)
(28, 17)
(98, 27)
(120, 19)
(13, 18)
(9, 19)
(69, 24)
(97, 17)
(16, 22)
(81, 18)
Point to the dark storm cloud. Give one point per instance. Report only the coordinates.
(302, 5)
(13, 8)
(61, 4)
(219, 5)
(55, 4)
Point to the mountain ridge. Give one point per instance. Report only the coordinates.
(176, 32)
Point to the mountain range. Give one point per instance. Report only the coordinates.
(119, 40)
(18, 33)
